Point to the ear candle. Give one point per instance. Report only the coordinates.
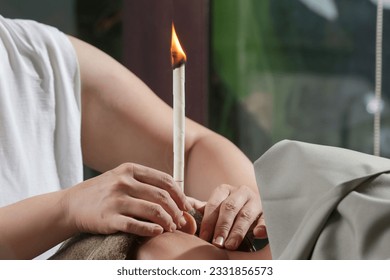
(178, 65)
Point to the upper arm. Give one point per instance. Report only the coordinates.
(122, 119)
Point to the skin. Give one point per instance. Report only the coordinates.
(118, 100)
(189, 247)
(127, 135)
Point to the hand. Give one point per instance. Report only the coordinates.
(229, 214)
(197, 204)
(130, 198)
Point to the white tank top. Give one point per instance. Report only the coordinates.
(40, 111)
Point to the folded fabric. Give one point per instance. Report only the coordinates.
(324, 202)
(97, 247)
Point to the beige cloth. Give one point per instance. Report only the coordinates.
(97, 247)
(324, 202)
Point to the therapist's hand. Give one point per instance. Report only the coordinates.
(130, 198)
(229, 214)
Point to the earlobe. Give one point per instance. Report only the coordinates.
(190, 226)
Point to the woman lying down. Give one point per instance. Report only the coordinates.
(179, 244)
(185, 245)
(319, 202)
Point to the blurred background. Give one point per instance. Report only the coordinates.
(258, 71)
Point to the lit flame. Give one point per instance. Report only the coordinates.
(177, 54)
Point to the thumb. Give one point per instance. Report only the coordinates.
(197, 204)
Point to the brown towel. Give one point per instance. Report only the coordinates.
(118, 246)
(97, 247)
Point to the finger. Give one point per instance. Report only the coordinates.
(145, 210)
(230, 208)
(244, 219)
(161, 180)
(160, 197)
(131, 225)
(197, 204)
(260, 230)
(211, 210)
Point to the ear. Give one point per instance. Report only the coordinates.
(190, 227)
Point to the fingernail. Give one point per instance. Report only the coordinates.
(262, 228)
(260, 231)
(231, 244)
(157, 230)
(218, 241)
(182, 222)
